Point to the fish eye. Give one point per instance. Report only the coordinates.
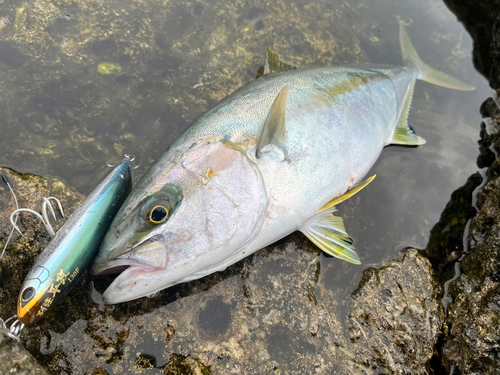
(28, 294)
(159, 207)
(158, 214)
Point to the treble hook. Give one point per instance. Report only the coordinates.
(15, 329)
(129, 158)
(44, 202)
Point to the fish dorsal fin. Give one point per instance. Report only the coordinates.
(273, 64)
(403, 135)
(274, 128)
(328, 232)
(348, 194)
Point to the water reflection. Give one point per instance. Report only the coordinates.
(60, 115)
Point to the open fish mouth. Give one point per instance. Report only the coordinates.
(150, 254)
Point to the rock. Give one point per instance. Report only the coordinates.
(395, 317)
(480, 18)
(14, 359)
(473, 343)
(446, 239)
(287, 320)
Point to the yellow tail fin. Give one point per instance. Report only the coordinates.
(428, 74)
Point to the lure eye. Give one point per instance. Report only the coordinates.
(158, 214)
(28, 294)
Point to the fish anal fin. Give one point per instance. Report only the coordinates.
(274, 128)
(348, 194)
(328, 233)
(403, 135)
(273, 64)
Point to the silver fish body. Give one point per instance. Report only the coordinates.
(264, 162)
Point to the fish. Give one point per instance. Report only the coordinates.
(276, 156)
(72, 249)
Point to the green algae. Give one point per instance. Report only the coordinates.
(109, 68)
(20, 18)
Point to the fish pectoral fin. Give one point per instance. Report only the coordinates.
(403, 135)
(328, 233)
(274, 128)
(273, 64)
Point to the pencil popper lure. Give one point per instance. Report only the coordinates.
(71, 250)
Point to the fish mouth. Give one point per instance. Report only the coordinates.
(148, 254)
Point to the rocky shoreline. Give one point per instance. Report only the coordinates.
(434, 310)
(396, 319)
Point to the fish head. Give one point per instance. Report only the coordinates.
(195, 208)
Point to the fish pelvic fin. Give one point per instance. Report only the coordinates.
(273, 64)
(403, 135)
(328, 232)
(274, 129)
(427, 73)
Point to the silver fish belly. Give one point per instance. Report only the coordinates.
(274, 157)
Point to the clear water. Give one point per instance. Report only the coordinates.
(169, 62)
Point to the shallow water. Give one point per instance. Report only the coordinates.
(169, 62)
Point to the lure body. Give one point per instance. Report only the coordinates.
(72, 249)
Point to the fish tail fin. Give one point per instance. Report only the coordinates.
(427, 73)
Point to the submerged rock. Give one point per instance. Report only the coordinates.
(14, 359)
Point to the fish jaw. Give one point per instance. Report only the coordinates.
(142, 266)
(138, 281)
(151, 253)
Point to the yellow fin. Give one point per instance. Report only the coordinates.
(328, 233)
(348, 194)
(273, 64)
(403, 135)
(427, 73)
(274, 128)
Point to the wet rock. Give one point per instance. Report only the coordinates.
(473, 343)
(482, 21)
(270, 313)
(14, 359)
(395, 317)
(489, 108)
(215, 318)
(446, 239)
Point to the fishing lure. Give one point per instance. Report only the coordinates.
(71, 250)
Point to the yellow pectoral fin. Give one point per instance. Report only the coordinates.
(348, 194)
(328, 233)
